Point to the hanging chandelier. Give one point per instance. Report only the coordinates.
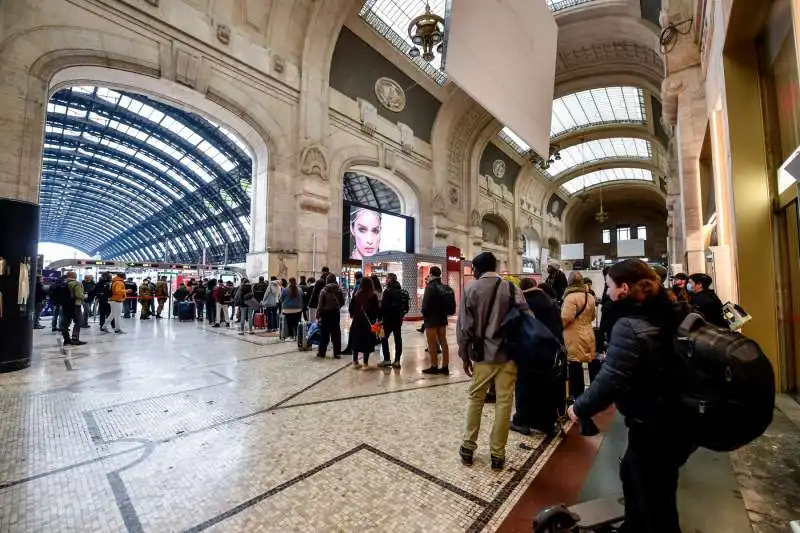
(601, 216)
(426, 31)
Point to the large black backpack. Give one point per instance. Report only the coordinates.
(61, 294)
(724, 385)
(448, 299)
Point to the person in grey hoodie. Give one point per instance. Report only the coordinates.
(485, 304)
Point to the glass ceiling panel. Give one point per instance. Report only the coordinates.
(390, 19)
(607, 175)
(370, 191)
(558, 5)
(142, 167)
(594, 107)
(600, 149)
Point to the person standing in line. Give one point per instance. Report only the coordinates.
(291, 307)
(647, 317)
(705, 301)
(577, 316)
(118, 294)
(88, 295)
(556, 279)
(72, 310)
(130, 300)
(394, 306)
(270, 303)
(313, 298)
(307, 289)
(356, 286)
(484, 305)
(102, 292)
(39, 304)
(376, 286)
(329, 315)
(182, 293)
(162, 293)
(145, 298)
(365, 311)
(434, 318)
(221, 306)
(679, 281)
(211, 302)
(244, 299)
(198, 295)
(539, 397)
(57, 305)
(260, 288)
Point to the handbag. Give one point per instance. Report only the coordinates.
(252, 303)
(375, 327)
(475, 347)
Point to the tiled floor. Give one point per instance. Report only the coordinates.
(176, 428)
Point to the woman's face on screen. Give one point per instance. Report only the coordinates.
(366, 230)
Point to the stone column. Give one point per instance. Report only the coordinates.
(685, 109)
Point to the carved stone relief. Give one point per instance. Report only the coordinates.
(406, 137)
(390, 95)
(369, 116)
(223, 34)
(313, 162)
(475, 217)
(278, 63)
(439, 207)
(453, 196)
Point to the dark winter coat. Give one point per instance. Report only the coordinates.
(392, 303)
(331, 298)
(631, 377)
(546, 310)
(433, 313)
(364, 310)
(708, 304)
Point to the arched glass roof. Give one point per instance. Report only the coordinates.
(127, 177)
(595, 107)
(586, 109)
(600, 150)
(370, 191)
(608, 175)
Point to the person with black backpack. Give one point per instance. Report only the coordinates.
(328, 314)
(632, 377)
(394, 306)
(70, 296)
(438, 303)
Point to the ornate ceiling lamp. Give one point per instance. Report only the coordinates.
(601, 216)
(426, 31)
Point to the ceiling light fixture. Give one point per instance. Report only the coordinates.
(601, 216)
(426, 31)
(553, 156)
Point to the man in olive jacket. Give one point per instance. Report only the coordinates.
(73, 311)
(483, 308)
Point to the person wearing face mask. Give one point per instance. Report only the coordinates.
(705, 301)
(679, 287)
(646, 317)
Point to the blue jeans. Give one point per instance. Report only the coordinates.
(246, 317)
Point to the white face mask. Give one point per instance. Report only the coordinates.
(690, 287)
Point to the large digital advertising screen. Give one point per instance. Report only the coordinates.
(368, 231)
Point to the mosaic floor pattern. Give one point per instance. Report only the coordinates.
(173, 427)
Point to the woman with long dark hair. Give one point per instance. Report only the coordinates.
(291, 307)
(646, 317)
(364, 310)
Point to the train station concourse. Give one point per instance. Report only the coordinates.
(400, 266)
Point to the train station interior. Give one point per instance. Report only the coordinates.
(149, 146)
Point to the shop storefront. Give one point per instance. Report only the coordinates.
(411, 269)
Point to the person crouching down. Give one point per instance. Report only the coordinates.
(483, 307)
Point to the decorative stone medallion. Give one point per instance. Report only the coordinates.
(390, 95)
(499, 168)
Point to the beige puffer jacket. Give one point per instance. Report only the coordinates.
(579, 333)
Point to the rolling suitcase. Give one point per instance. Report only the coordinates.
(302, 337)
(260, 320)
(186, 311)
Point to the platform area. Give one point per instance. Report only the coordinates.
(180, 427)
